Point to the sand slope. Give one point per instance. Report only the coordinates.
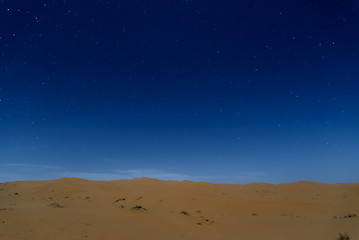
(146, 208)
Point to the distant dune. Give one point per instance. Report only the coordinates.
(145, 208)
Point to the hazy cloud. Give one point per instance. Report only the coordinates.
(25, 172)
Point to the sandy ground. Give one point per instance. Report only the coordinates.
(146, 208)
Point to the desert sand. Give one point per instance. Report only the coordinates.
(144, 208)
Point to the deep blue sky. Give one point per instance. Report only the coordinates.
(219, 91)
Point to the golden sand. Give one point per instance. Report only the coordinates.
(144, 208)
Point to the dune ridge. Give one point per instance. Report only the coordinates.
(146, 208)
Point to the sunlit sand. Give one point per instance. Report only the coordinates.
(144, 208)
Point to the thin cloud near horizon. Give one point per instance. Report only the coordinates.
(27, 172)
(10, 172)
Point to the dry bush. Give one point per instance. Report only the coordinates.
(343, 236)
(55, 205)
(139, 208)
(185, 213)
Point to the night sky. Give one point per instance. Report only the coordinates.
(219, 91)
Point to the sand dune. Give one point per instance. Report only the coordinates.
(144, 208)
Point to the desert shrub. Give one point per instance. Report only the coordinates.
(139, 208)
(55, 205)
(343, 236)
(120, 199)
(185, 213)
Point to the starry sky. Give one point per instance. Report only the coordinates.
(206, 90)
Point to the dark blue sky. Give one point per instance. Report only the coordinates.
(218, 91)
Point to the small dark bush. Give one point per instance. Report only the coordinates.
(343, 236)
(185, 213)
(120, 199)
(55, 205)
(139, 208)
